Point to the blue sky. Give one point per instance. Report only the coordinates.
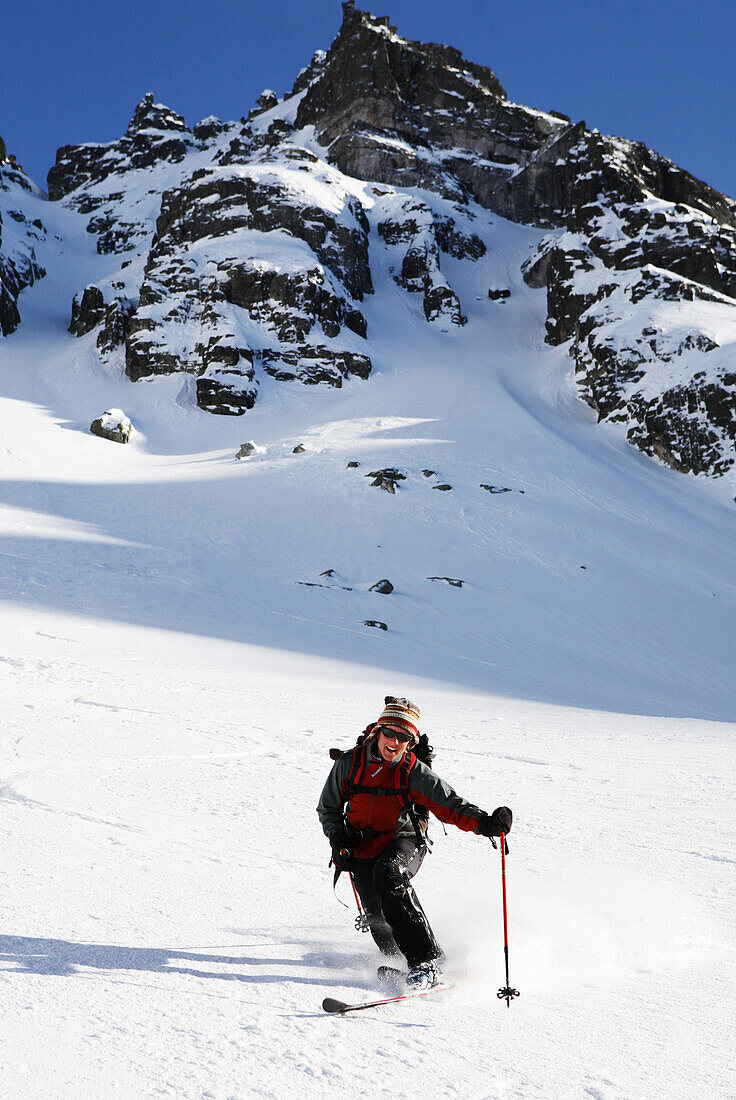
(658, 71)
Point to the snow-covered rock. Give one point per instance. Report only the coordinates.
(114, 425)
(250, 448)
(19, 234)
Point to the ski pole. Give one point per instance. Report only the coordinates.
(361, 921)
(506, 993)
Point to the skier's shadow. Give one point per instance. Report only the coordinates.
(62, 958)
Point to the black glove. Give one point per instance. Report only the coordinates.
(342, 852)
(496, 823)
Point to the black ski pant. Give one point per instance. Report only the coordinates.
(395, 917)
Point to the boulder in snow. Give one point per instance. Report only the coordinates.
(114, 425)
(384, 587)
(248, 449)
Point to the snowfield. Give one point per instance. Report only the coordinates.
(175, 665)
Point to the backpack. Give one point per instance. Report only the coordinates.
(424, 752)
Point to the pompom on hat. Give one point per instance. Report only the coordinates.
(401, 713)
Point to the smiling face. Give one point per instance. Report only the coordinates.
(390, 748)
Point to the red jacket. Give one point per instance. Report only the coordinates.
(372, 794)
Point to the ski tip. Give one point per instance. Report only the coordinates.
(331, 1005)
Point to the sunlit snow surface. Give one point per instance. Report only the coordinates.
(170, 693)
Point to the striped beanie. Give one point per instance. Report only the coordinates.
(401, 713)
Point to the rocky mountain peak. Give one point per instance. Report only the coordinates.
(374, 78)
(254, 247)
(377, 90)
(150, 115)
(155, 134)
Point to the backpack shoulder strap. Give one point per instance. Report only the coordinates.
(402, 777)
(402, 787)
(356, 767)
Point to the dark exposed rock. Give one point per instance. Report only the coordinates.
(374, 622)
(299, 449)
(624, 228)
(429, 473)
(115, 324)
(95, 179)
(637, 252)
(225, 392)
(352, 465)
(449, 580)
(285, 304)
(498, 489)
(463, 246)
(9, 315)
(313, 365)
(426, 234)
(407, 114)
(387, 479)
(384, 587)
(290, 303)
(309, 74)
(389, 472)
(455, 129)
(445, 488)
(686, 426)
(266, 100)
(220, 203)
(209, 128)
(247, 449)
(88, 311)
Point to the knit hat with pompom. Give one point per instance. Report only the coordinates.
(400, 713)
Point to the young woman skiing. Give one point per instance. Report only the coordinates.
(374, 810)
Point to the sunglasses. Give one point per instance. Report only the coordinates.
(397, 735)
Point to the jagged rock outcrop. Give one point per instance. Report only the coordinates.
(292, 270)
(154, 134)
(410, 114)
(415, 114)
(419, 235)
(19, 236)
(120, 183)
(641, 239)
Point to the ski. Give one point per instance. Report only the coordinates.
(331, 1005)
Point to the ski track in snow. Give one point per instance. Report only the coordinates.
(167, 926)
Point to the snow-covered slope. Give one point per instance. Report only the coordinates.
(183, 635)
(168, 926)
(598, 579)
(175, 665)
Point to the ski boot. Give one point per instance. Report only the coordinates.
(423, 976)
